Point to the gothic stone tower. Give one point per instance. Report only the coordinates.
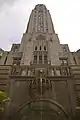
(38, 73)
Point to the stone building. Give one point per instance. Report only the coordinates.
(40, 75)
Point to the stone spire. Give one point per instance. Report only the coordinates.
(40, 20)
(40, 43)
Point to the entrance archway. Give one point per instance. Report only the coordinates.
(41, 109)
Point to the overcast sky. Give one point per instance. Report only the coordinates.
(14, 15)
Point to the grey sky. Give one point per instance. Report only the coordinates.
(14, 15)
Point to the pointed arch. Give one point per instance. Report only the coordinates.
(56, 108)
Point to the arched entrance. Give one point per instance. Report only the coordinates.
(41, 109)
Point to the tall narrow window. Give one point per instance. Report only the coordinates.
(35, 58)
(45, 57)
(44, 47)
(40, 57)
(74, 60)
(5, 60)
(35, 47)
(40, 47)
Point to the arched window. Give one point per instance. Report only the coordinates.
(35, 47)
(44, 47)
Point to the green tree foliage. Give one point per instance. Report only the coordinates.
(3, 98)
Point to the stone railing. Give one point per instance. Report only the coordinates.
(24, 70)
(41, 62)
(60, 71)
(47, 71)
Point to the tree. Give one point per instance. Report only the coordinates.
(3, 99)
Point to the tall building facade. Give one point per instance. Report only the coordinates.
(40, 75)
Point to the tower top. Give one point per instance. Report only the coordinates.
(40, 20)
(40, 5)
